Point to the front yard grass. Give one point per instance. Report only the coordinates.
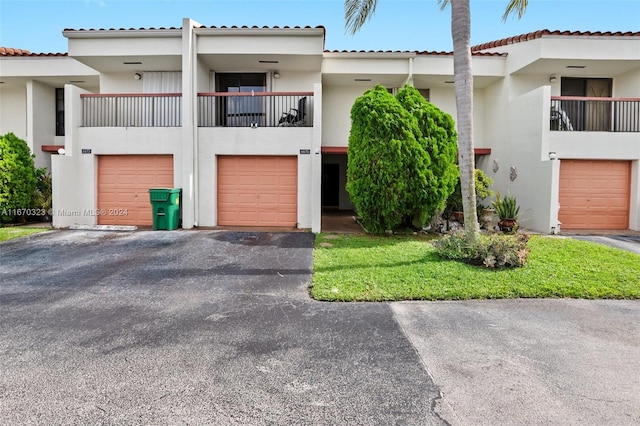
(374, 268)
(10, 232)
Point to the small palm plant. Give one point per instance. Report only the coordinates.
(508, 211)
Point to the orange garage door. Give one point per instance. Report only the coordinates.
(123, 187)
(257, 191)
(594, 194)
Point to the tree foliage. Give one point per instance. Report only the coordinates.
(401, 163)
(357, 12)
(17, 175)
(439, 139)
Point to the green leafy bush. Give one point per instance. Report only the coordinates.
(483, 185)
(17, 176)
(396, 175)
(492, 251)
(42, 197)
(507, 207)
(440, 141)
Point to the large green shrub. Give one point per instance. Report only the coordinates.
(440, 141)
(17, 177)
(392, 177)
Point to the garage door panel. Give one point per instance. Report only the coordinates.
(600, 185)
(267, 182)
(251, 191)
(619, 203)
(267, 200)
(124, 182)
(594, 194)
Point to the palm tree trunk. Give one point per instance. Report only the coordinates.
(463, 79)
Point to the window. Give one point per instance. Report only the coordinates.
(59, 111)
(590, 114)
(241, 111)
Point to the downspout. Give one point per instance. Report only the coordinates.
(409, 80)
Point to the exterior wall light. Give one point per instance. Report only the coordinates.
(137, 76)
(553, 79)
(553, 155)
(276, 74)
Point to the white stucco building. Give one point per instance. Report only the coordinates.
(253, 123)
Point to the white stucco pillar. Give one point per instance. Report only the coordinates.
(188, 146)
(316, 161)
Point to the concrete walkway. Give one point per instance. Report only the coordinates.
(530, 362)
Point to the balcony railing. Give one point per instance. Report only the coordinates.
(225, 109)
(255, 109)
(573, 113)
(132, 110)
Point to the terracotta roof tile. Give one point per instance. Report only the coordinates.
(120, 29)
(539, 34)
(265, 27)
(420, 53)
(179, 28)
(368, 51)
(8, 51)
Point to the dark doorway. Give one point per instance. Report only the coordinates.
(240, 111)
(330, 185)
(590, 114)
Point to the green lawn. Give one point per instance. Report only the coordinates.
(7, 233)
(370, 268)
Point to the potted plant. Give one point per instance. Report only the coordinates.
(508, 211)
(454, 202)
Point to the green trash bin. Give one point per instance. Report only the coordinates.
(165, 203)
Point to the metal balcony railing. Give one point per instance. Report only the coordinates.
(255, 109)
(573, 113)
(132, 110)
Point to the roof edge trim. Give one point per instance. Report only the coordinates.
(121, 33)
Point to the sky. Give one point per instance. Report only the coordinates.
(413, 25)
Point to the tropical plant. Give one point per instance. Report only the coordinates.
(508, 212)
(507, 207)
(17, 177)
(357, 12)
(397, 176)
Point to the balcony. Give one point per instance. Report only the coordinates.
(217, 109)
(132, 110)
(255, 109)
(587, 114)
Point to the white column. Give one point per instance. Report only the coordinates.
(316, 160)
(188, 144)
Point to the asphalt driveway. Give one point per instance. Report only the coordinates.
(198, 327)
(209, 327)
